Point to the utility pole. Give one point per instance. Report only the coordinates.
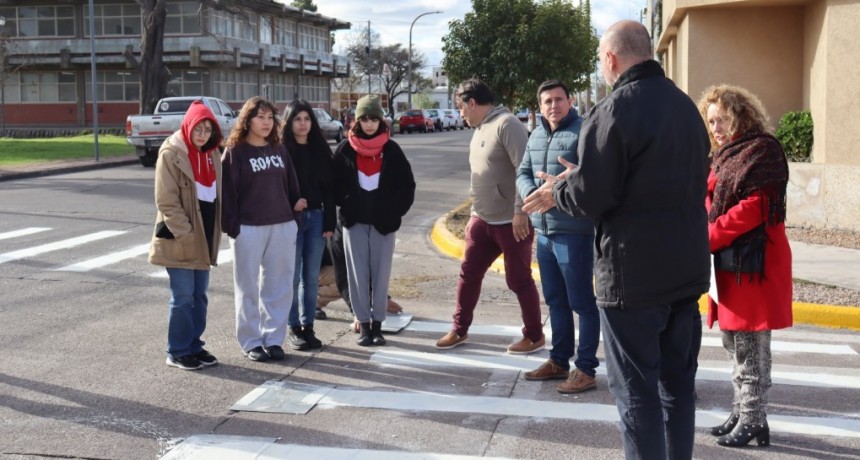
(368, 57)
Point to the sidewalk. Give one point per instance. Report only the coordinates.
(811, 262)
(64, 166)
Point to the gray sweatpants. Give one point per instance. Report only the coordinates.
(368, 268)
(750, 354)
(264, 260)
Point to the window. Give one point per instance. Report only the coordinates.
(183, 18)
(233, 25)
(39, 21)
(234, 86)
(33, 87)
(114, 86)
(114, 20)
(285, 33)
(265, 29)
(314, 89)
(186, 83)
(285, 87)
(313, 38)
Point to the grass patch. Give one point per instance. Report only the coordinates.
(28, 151)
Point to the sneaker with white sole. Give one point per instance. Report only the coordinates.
(207, 359)
(187, 362)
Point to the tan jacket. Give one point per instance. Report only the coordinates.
(176, 201)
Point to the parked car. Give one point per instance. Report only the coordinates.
(147, 132)
(440, 121)
(416, 120)
(456, 120)
(331, 128)
(523, 115)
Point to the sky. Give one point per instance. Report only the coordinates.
(391, 19)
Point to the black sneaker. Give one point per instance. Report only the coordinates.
(187, 362)
(276, 353)
(257, 354)
(206, 358)
(320, 314)
(311, 338)
(296, 339)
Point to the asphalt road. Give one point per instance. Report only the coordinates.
(83, 327)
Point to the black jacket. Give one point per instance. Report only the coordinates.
(396, 187)
(642, 177)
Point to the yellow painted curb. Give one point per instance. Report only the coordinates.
(832, 316)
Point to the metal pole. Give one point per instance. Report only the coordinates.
(2, 78)
(93, 72)
(409, 60)
(368, 57)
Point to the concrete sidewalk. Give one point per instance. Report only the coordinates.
(48, 168)
(811, 262)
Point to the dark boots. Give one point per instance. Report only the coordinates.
(311, 338)
(296, 339)
(364, 338)
(376, 333)
(371, 334)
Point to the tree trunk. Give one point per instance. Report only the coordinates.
(154, 75)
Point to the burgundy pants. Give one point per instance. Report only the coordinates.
(484, 243)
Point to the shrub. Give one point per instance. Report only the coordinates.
(795, 135)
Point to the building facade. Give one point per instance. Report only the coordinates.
(265, 48)
(795, 55)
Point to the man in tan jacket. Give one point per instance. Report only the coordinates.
(498, 224)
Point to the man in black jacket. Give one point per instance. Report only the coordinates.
(642, 178)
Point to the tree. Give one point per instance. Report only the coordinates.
(307, 5)
(514, 45)
(371, 62)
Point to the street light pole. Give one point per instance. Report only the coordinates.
(409, 60)
(2, 77)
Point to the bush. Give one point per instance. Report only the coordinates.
(795, 135)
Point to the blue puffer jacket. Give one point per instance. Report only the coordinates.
(542, 152)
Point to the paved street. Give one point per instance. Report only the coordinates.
(83, 331)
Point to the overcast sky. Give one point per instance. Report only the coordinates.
(391, 19)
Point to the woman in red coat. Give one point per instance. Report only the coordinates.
(752, 258)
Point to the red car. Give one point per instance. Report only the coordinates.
(416, 120)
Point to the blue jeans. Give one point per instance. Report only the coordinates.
(651, 360)
(186, 319)
(566, 266)
(310, 245)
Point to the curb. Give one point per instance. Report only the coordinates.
(64, 167)
(832, 316)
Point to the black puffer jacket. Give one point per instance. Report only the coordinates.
(642, 177)
(396, 187)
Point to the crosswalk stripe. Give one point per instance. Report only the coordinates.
(282, 397)
(105, 260)
(22, 232)
(64, 244)
(776, 346)
(708, 370)
(226, 447)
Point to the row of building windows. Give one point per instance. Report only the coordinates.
(183, 18)
(124, 86)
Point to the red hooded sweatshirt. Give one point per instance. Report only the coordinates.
(201, 163)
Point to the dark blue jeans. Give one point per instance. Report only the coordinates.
(566, 266)
(651, 360)
(310, 245)
(186, 319)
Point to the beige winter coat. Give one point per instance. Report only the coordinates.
(176, 201)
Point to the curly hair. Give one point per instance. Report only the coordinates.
(250, 110)
(745, 109)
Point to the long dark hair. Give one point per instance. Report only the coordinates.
(243, 122)
(356, 128)
(321, 157)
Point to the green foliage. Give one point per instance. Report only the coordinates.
(514, 45)
(422, 101)
(795, 135)
(307, 5)
(25, 151)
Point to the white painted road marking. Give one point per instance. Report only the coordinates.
(22, 232)
(105, 260)
(64, 244)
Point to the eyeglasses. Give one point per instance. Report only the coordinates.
(198, 131)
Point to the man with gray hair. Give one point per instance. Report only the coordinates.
(642, 178)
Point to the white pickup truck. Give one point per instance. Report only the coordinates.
(147, 132)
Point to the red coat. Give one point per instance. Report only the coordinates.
(751, 305)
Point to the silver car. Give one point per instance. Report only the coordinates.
(456, 120)
(331, 128)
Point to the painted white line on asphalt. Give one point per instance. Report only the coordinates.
(22, 232)
(225, 256)
(274, 394)
(515, 331)
(708, 370)
(221, 447)
(64, 244)
(105, 260)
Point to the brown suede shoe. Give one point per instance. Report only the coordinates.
(451, 340)
(547, 371)
(526, 346)
(577, 382)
